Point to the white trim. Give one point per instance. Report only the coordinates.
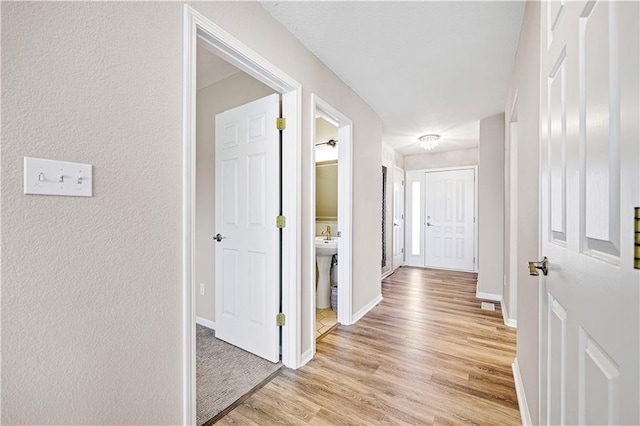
(321, 108)
(226, 46)
(488, 296)
(525, 415)
(509, 322)
(386, 274)
(362, 312)
(308, 354)
(206, 323)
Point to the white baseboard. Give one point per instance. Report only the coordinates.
(386, 274)
(306, 357)
(509, 322)
(488, 296)
(206, 323)
(362, 312)
(525, 416)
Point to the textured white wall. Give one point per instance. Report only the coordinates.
(525, 81)
(461, 157)
(91, 288)
(226, 94)
(490, 204)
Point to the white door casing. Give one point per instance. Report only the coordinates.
(247, 204)
(449, 219)
(398, 217)
(590, 183)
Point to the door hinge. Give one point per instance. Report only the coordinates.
(281, 222)
(636, 257)
(280, 319)
(281, 123)
(474, 220)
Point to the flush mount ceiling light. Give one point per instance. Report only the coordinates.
(429, 142)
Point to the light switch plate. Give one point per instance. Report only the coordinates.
(50, 177)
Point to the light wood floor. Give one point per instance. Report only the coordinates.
(427, 354)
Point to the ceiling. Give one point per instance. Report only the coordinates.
(424, 67)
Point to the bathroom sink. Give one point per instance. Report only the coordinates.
(326, 248)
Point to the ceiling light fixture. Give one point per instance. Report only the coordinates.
(429, 142)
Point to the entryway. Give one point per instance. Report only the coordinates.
(441, 218)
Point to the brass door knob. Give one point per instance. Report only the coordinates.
(543, 265)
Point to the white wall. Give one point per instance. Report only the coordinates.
(228, 93)
(390, 159)
(525, 84)
(91, 288)
(461, 157)
(490, 205)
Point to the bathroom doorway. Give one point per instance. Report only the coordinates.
(330, 224)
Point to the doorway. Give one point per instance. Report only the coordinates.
(441, 218)
(398, 217)
(197, 27)
(330, 218)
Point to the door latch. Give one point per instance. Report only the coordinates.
(543, 265)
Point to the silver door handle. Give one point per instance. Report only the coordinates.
(543, 265)
(219, 238)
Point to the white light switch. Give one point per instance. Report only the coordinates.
(50, 177)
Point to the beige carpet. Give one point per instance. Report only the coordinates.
(224, 373)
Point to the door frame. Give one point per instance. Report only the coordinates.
(321, 108)
(475, 211)
(403, 233)
(196, 25)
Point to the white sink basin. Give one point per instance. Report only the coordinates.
(326, 248)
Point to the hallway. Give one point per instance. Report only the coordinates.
(427, 354)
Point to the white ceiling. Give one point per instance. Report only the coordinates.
(424, 67)
(210, 68)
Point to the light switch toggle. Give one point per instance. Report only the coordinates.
(51, 177)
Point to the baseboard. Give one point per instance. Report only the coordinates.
(525, 416)
(386, 274)
(206, 323)
(509, 322)
(306, 357)
(488, 296)
(362, 312)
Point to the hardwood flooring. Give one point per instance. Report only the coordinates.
(426, 355)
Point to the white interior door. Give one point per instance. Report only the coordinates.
(589, 186)
(449, 212)
(398, 217)
(247, 204)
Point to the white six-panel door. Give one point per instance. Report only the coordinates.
(247, 204)
(589, 186)
(449, 211)
(398, 217)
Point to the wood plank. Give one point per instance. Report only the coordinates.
(427, 354)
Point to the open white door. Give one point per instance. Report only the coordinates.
(247, 204)
(589, 187)
(449, 211)
(398, 217)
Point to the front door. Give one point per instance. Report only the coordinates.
(248, 248)
(398, 218)
(589, 188)
(449, 213)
